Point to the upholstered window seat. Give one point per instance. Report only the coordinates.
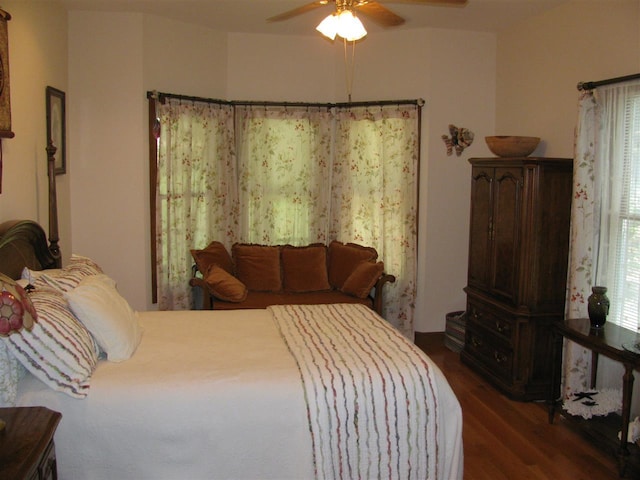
(257, 276)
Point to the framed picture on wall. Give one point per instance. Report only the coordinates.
(56, 127)
(5, 96)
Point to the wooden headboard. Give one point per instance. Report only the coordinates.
(23, 243)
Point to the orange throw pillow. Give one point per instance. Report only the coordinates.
(258, 266)
(225, 286)
(344, 258)
(363, 279)
(214, 254)
(305, 268)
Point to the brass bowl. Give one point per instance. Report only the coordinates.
(512, 146)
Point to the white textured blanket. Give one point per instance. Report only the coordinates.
(217, 395)
(370, 396)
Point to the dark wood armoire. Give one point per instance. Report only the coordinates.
(518, 255)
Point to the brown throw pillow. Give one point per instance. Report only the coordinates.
(344, 258)
(214, 254)
(258, 266)
(305, 268)
(225, 286)
(363, 279)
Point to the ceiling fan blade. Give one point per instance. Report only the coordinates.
(452, 3)
(379, 14)
(299, 11)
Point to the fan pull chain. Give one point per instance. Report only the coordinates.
(349, 66)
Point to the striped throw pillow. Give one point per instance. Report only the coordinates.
(59, 350)
(71, 275)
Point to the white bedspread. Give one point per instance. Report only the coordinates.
(207, 395)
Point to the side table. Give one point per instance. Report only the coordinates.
(607, 341)
(26, 444)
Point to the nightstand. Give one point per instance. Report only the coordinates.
(26, 443)
(607, 341)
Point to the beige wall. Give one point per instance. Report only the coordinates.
(114, 59)
(110, 148)
(541, 61)
(476, 80)
(37, 58)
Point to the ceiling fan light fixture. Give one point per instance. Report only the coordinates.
(344, 24)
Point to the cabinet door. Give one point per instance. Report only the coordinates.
(480, 228)
(505, 232)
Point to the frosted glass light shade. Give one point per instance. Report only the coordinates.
(329, 26)
(345, 24)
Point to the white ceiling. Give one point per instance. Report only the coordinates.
(249, 16)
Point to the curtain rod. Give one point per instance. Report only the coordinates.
(160, 95)
(609, 81)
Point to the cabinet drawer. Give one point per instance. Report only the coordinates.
(486, 349)
(497, 324)
(46, 468)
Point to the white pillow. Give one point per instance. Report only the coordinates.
(107, 315)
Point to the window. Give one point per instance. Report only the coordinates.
(283, 171)
(624, 264)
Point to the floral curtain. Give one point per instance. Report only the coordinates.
(585, 228)
(284, 157)
(301, 175)
(374, 195)
(196, 197)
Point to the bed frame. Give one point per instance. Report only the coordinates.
(23, 243)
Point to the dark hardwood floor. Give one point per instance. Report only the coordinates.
(505, 439)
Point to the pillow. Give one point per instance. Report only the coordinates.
(32, 275)
(344, 258)
(10, 368)
(258, 266)
(78, 268)
(214, 254)
(304, 269)
(9, 376)
(59, 350)
(107, 315)
(225, 286)
(363, 279)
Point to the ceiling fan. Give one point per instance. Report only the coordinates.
(371, 8)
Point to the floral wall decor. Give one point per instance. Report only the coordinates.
(459, 139)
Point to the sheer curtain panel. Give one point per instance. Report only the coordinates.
(375, 195)
(196, 198)
(284, 157)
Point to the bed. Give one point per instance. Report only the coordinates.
(287, 392)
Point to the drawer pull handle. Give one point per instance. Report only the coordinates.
(499, 357)
(501, 328)
(476, 342)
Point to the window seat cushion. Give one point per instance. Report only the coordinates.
(264, 299)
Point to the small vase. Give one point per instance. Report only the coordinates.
(598, 306)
